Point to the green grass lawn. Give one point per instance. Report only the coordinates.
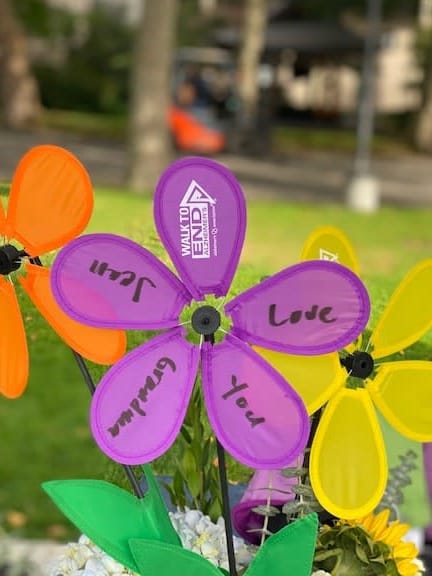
(45, 434)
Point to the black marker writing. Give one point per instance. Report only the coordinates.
(128, 277)
(136, 408)
(242, 402)
(315, 313)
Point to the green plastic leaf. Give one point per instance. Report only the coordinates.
(111, 517)
(167, 560)
(289, 551)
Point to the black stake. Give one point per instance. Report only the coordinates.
(139, 493)
(226, 509)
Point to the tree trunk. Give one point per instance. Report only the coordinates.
(254, 30)
(149, 135)
(423, 121)
(19, 94)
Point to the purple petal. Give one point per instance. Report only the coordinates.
(257, 416)
(140, 403)
(200, 215)
(314, 307)
(109, 281)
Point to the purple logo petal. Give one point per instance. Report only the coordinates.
(200, 215)
(140, 403)
(109, 281)
(257, 416)
(315, 307)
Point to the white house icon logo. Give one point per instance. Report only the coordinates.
(197, 219)
(329, 256)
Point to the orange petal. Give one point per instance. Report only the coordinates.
(402, 391)
(348, 465)
(99, 345)
(14, 362)
(315, 378)
(51, 200)
(328, 243)
(408, 314)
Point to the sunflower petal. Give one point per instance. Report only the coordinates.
(315, 378)
(348, 467)
(398, 531)
(379, 523)
(329, 243)
(99, 345)
(14, 361)
(407, 568)
(402, 391)
(51, 199)
(408, 315)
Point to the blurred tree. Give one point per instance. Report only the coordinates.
(94, 74)
(423, 123)
(254, 30)
(151, 80)
(335, 8)
(195, 23)
(19, 95)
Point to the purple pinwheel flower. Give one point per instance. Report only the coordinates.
(139, 406)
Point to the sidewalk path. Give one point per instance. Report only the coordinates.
(308, 177)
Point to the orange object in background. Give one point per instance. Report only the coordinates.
(192, 135)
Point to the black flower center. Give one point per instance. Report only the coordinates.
(206, 320)
(359, 364)
(10, 259)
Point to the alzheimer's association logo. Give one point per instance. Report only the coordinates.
(198, 224)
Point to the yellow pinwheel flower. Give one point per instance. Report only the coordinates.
(348, 465)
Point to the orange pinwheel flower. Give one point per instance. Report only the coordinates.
(50, 203)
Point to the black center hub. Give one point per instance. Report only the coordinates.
(359, 364)
(10, 259)
(206, 320)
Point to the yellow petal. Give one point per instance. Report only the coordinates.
(348, 466)
(379, 524)
(408, 314)
(315, 378)
(402, 391)
(397, 531)
(407, 568)
(328, 243)
(405, 550)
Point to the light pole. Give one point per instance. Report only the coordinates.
(363, 192)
